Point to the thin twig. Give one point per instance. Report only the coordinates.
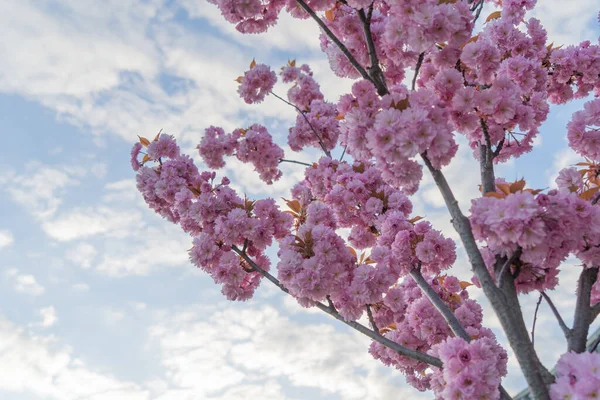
(537, 307)
(507, 265)
(478, 11)
(343, 153)
(560, 320)
(417, 68)
(327, 153)
(371, 319)
(335, 40)
(376, 336)
(294, 162)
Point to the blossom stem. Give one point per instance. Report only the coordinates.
(376, 336)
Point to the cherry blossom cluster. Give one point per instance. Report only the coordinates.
(316, 122)
(315, 265)
(250, 16)
(396, 128)
(378, 217)
(256, 83)
(504, 97)
(574, 65)
(546, 227)
(577, 376)
(253, 145)
(341, 195)
(213, 214)
(583, 131)
(358, 197)
(400, 31)
(411, 320)
(471, 370)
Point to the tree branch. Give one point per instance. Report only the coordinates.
(327, 153)
(375, 69)
(335, 40)
(486, 161)
(561, 321)
(376, 336)
(583, 312)
(439, 305)
(447, 314)
(505, 302)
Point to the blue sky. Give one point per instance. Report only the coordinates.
(97, 298)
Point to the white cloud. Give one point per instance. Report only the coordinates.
(25, 283)
(83, 254)
(36, 365)
(289, 32)
(205, 351)
(567, 23)
(81, 287)
(82, 223)
(48, 316)
(145, 250)
(41, 192)
(6, 238)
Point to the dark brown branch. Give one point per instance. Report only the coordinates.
(335, 40)
(417, 68)
(376, 336)
(371, 319)
(561, 321)
(375, 69)
(281, 160)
